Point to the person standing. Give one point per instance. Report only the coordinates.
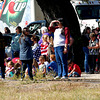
(85, 42)
(26, 54)
(61, 41)
(44, 31)
(93, 52)
(2, 55)
(15, 41)
(7, 30)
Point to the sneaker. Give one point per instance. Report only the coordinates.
(57, 77)
(64, 77)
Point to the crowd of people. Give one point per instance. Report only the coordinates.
(50, 53)
(91, 44)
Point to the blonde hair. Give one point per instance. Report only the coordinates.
(92, 35)
(45, 37)
(52, 56)
(42, 57)
(10, 63)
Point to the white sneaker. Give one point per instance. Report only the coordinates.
(64, 77)
(57, 77)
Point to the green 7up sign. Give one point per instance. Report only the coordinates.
(12, 11)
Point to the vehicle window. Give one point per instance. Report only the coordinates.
(34, 27)
(88, 11)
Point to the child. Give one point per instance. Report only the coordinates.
(16, 57)
(51, 46)
(10, 70)
(6, 62)
(42, 66)
(53, 65)
(73, 70)
(17, 68)
(44, 46)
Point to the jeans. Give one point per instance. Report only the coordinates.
(86, 52)
(25, 64)
(75, 74)
(61, 60)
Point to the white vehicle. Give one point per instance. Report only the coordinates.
(88, 13)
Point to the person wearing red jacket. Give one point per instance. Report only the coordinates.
(61, 41)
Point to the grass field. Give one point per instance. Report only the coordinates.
(48, 90)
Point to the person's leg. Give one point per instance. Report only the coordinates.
(91, 62)
(63, 58)
(2, 54)
(94, 62)
(86, 52)
(58, 61)
(29, 65)
(3, 71)
(24, 66)
(12, 52)
(75, 74)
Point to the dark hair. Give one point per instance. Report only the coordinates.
(0, 34)
(8, 30)
(16, 54)
(61, 20)
(8, 59)
(85, 30)
(98, 29)
(25, 29)
(19, 28)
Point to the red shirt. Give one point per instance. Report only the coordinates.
(66, 31)
(77, 69)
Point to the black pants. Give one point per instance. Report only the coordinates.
(92, 62)
(27, 64)
(2, 54)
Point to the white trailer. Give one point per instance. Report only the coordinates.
(15, 13)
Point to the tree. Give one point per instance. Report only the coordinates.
(54, 9)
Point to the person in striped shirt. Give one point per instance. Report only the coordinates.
(44, 46)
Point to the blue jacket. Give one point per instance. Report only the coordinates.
(15, 42)
(54, 66)
(25, 48)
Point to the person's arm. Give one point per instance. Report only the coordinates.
(11, 69)
(95, 47)
(28, 40)
(71, 41)
(51, 28)
(71, 71)
(67, 37)
(44, 70)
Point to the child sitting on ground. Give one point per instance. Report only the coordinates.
(10, 71)
(17, 69)
(42, 66)
(53, 65)
(73, 70)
